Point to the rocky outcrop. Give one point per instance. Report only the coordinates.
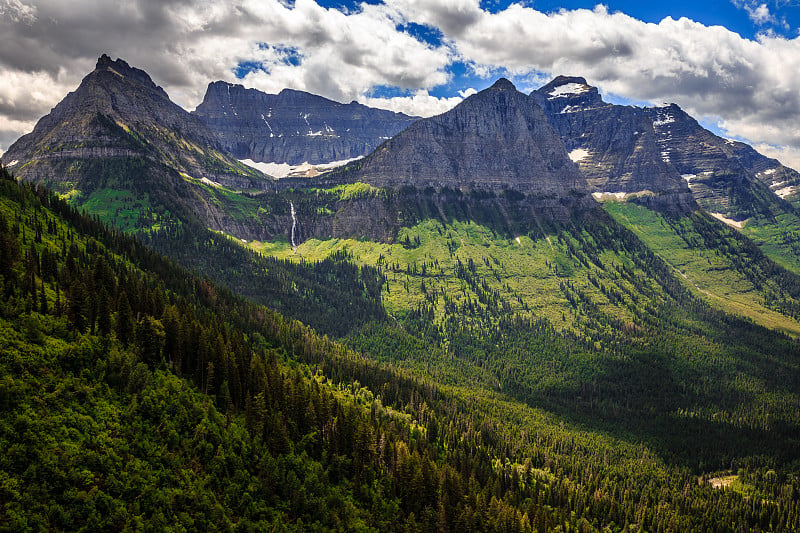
(496, 139)
(120, 132)
(719, 172)
(294, 126)
(781, 180)
(616, 147)
(662, 156)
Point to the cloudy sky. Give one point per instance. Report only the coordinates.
(733, 64)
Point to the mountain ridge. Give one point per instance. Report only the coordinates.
(293, 126)
(495, 139)
(118, 138)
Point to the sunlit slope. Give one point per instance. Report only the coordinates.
(719, 264)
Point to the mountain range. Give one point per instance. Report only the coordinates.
(544, 307)
(293, 126)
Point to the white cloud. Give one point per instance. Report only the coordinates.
(16, 11)
(759, 14)
(747, 86)
(787, 155)
(421, 104)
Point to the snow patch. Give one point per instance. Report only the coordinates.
(578, 154)
(620, 196)
(688, 177)
(768, 172)
(568, 89)
(663, 120)
(786, 191)
(282, 170)
(729, 221)
(13, 163)
(609, 195)
(570, 109)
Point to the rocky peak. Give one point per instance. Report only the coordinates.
(294, 126)
(119, 130)
(495, 139)
(503, 84)
(105, 65)
(568, 94)
(617, 147)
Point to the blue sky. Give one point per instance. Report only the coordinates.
(747, 18)
(730, 63)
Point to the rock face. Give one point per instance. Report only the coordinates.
(662, 150)
(120, 132)
(725, 176)
(294, 126)
(616, 147)
(496, 139)
(782, 180)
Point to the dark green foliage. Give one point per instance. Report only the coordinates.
(319, 294)
(217, 414)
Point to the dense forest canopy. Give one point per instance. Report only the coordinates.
(136, 395)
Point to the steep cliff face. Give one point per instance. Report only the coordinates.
(665, 154)
(119, 137)
(782, 180)
(496, 139)
(616, 147)
(725, 176)
(294, 126)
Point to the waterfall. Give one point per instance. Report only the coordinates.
(294, 225)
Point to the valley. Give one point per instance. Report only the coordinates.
(447, 333)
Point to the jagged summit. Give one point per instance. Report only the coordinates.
(616, 147)
(661, 150)
(495, 139)
(122, 69)
(568, 94)
(503, 84)
(119, 134)
(294, 126)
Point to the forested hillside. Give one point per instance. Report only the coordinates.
(137, 396)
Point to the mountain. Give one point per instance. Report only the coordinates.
(294, 126)
(663, 158)
(119, 139)
(616, 147)
(627, 149)
(121, 369)
(494, 140)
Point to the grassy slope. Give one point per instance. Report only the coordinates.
(779, 238)
(709, 272)
(522, 273)
(119, 444)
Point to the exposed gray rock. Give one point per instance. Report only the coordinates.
(723, 175)
(496, 139)
(119, 131)
(118, 112)
(617, 147)
(294, 126)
